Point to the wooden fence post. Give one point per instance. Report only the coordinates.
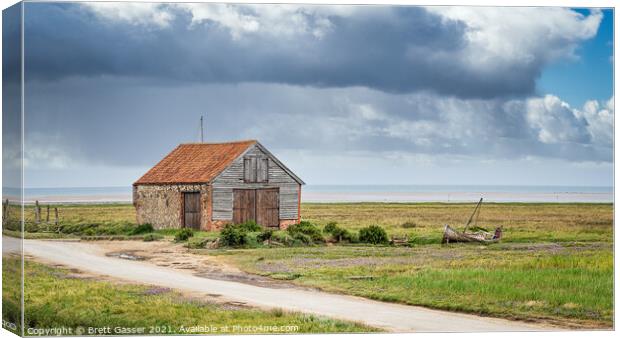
(47, 218)
(5, 211)
(37, 212)
(56, 216)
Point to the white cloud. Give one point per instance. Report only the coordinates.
(600, 119)
(555, 121)
(227, 15)
(499, 35)
(144, 13)
(367, 112)
(292, 20)
(274, 19)
(280, 20)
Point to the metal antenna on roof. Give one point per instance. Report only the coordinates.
(202, 138)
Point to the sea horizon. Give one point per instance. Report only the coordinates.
(333, 193)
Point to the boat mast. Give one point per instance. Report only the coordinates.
(474, 214)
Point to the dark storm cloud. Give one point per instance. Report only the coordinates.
(11, 44)
(396, 49)
(11, 96)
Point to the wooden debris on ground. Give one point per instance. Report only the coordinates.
(399, 241)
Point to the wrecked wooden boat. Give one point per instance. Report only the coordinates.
(451, 235)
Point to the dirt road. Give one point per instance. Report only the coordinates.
(92, 258)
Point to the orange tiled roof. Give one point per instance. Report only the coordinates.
(195, 162)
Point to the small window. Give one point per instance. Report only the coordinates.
(256, 169)
(262, 171)
(249, 174)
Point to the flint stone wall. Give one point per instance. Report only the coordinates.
(161, 205)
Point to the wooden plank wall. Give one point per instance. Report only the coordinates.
(232, 178)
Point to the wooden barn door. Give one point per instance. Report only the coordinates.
(191, 210)
(267, 207)
(244, 205)
(259, 205)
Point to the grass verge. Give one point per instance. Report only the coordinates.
(59, 298)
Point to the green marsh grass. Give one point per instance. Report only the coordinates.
(563, 284)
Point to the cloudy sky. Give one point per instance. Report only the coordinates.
(341, 94)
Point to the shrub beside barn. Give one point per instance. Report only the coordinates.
(206, 185)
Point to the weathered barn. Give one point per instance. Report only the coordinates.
(206, 185)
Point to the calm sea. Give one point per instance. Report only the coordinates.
(364, 193)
